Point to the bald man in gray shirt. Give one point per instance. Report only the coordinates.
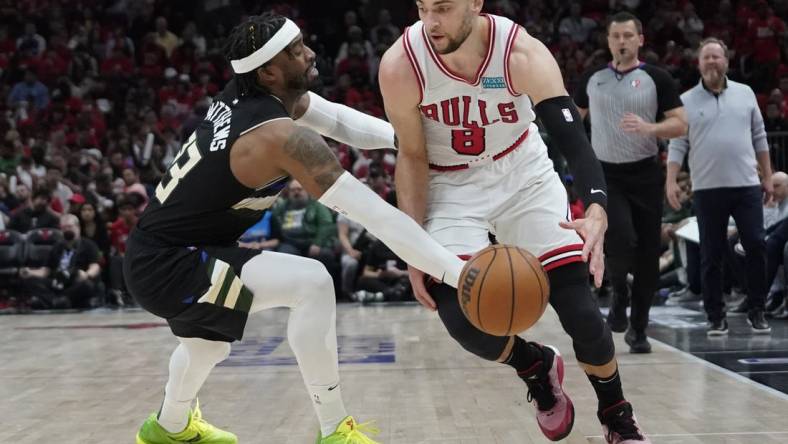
(726, 144)
(631, 104)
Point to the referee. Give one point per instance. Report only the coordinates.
(631, 104)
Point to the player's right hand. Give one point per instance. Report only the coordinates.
(673, 193)
(420, 289)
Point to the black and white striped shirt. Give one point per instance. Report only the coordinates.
(609, 94)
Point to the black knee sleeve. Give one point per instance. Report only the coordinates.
(472, 339)
(579, 314)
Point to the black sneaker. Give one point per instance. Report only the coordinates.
(783, 315)
(717, 328)
(741, 308)
(617, 317)
(758, 322)
(774, 302)
(684, 295)
(620, 426)
(637, 341)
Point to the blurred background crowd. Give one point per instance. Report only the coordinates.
(98, 95)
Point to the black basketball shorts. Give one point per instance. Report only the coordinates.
(196, 289)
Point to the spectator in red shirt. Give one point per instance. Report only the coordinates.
(764, 33)
(50, 65)
(152, 58)
(120, 229)
(119, 233)
(355, 64)
(184, 58)
(119, 65)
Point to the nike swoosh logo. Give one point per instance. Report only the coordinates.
(594, 191)
(332, 388)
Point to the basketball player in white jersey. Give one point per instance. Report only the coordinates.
(462, 90)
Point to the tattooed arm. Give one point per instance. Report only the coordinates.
(301, 153)
(281, 148)
(310, 161)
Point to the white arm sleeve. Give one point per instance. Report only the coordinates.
(346, 125)
(394, 228)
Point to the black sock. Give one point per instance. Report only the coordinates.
(526, 357)
(608, 390)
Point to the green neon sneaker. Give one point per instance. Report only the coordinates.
(350, 432)
(197, 431)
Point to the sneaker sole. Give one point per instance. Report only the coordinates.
(560, 371)
(639, 351)
(759, 331)
(717, 333)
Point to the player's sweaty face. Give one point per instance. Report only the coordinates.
(447, 22)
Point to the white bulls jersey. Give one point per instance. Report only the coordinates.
(470, 123)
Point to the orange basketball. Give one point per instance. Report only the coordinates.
(503, 290)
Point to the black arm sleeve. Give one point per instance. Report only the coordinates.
(560, 118)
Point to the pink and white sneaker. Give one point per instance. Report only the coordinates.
(555, 412)
(620, 426)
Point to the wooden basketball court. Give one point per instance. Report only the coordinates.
(93, 378)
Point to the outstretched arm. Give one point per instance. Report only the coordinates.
(343, 124)
(304, 155)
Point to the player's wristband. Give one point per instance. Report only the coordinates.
(565, 127)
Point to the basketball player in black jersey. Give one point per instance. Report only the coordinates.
(183, 263)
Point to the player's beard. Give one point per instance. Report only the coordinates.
(455, 43)
(300, 83)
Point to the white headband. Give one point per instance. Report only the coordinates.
(279, 41)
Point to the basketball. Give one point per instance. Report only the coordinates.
(503, 290)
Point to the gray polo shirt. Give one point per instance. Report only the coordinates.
(725, 132)
(608, 94)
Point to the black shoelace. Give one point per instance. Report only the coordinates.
(541, 390)
(623, 424)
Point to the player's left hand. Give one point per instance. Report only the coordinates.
(592, 229)
(632, 123)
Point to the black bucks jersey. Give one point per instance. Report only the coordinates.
(199, 201)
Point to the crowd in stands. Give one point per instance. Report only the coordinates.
(98, 95)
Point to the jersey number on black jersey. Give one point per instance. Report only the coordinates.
(186, 159)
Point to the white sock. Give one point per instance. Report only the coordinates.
(174, 415)
(328, 405)
(303, 285)
(190, 364)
